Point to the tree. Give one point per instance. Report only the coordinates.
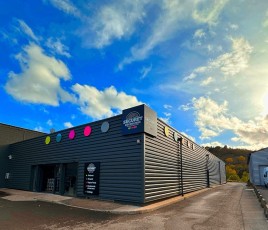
(245, 176)
(229, 160)
(234, 178)
(241, 159)
(230, 171)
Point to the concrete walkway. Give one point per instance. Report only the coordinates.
(252, 212)
(91, 204)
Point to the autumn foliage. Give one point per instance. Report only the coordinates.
(236, 162)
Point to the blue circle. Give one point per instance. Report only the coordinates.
(58, 137)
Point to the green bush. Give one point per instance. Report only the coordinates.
(245, 176)
(234, 178)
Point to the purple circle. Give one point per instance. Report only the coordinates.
(87, 131)
(72, 134)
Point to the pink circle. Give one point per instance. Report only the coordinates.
(72, 134)
(87, 131)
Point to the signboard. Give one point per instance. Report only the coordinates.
(139, 119)
(92, 177)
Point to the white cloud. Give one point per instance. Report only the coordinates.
(213, 118)
(66, 6)
(56, 47)
(145, 70)
(186, 107)
(168, 107)
(39, 80)
(208, 11)
(229, 64)
(235, 139)
(39, 129)
(199, 33)
(190, 77)
(68, 125)
(49, 122)
(112, 21)
(27, 30)
(236, 61)
(234, 26)
(265, 22)
(99, 104)
(167, 114)
(165, 119)
(207, 81)
(167, 24)
(213, 144)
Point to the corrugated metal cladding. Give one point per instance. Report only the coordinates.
(3, 163)
(121, 171)
(163, 170)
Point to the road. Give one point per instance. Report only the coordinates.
(230, 206)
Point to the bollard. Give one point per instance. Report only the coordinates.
(263, 203)
(266, 210)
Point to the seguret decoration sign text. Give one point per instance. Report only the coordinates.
(139, 119)
(91, 179)
(133, 120)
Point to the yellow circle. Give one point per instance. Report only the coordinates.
(47, 141)
(166, 131)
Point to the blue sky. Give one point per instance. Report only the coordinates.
(201, 65)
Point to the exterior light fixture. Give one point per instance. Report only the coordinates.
(180, 141)
(207, 159)
(10, 157)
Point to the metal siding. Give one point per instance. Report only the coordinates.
(162, 176)
(3, 164)
(120, 158)
(257, 159)
(162, 166)
(194, 168)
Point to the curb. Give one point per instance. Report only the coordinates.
(130, 210)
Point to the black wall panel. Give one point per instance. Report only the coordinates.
(135, 168)
(3, 164)
(120, 159)
(163, 165)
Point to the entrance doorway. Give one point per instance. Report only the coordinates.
(70, 179)
(54, 178)
(50, 177)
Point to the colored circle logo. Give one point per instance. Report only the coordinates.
(47, 141)
(175, 136)
(166, 131)
(87, 131)
(71, 134)
(58, 137)
(105, 127)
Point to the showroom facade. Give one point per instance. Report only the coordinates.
(132, 157)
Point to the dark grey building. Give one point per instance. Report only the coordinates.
(132, 157)
(8, 135)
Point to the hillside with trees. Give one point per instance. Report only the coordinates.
(236, 162)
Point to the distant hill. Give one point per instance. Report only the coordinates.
(224, 152)
(236, 162)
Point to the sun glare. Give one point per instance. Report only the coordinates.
(265, 104)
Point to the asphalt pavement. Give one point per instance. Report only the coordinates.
(232, 206)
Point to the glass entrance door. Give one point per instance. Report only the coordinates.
(70, 179)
